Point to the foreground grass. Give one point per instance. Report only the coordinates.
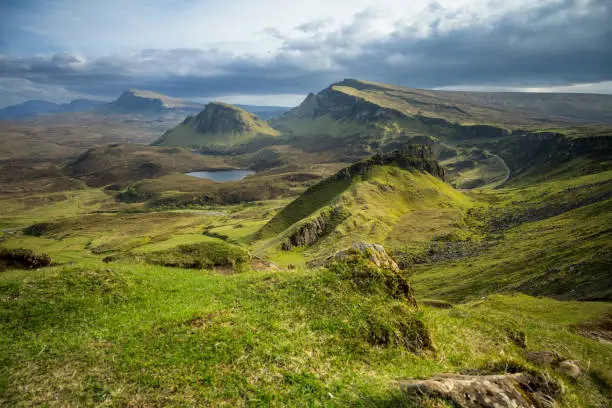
(139, 335)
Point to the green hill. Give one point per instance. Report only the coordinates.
(390, 237)
(372, 201)
(124, 163)
(217, 124)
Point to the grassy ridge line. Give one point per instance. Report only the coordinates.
(324, 192)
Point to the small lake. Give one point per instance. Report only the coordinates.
(221, 175)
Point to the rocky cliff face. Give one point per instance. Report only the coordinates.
(339, 105)
(378, 110)
(316, 228)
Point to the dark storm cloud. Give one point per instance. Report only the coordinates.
(553, 44)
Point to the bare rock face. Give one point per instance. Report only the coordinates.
(374, 252)
(520, 390)
(309, 233)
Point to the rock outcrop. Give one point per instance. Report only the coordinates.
(570, 368)
(314, 229)
(520, 390)
(374, 252)
(372, 269)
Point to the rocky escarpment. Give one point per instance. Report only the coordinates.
(380, 109)
(547, 151)
(410, 158)
(339, 105)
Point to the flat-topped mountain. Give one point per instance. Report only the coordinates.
(217, 124)
(342, 106)
(135, 101)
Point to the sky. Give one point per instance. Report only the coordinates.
(274, 52)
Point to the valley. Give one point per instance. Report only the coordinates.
(204, 255)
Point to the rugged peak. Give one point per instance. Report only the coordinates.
(341, 100)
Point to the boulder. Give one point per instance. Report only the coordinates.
(519, 390)
(570, 368)
(544, 357)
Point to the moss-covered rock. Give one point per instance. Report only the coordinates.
(370, 268)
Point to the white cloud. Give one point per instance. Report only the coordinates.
(604, 87)
(199, 49)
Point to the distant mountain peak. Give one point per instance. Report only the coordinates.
(219, 123)
(144, 101)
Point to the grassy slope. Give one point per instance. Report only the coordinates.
(382, 207)
(144, 335)
(558, 243)
(389, 202)
(78, 232)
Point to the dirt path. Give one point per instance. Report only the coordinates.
(508, 171)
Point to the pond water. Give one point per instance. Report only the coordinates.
(221, 175)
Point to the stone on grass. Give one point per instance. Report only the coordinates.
(570, 368)
(520, 390)
(374, 252)
(544, 357)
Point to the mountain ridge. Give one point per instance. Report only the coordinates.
(35, 107)
(366, 102)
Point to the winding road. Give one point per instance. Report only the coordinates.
(508, 171)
